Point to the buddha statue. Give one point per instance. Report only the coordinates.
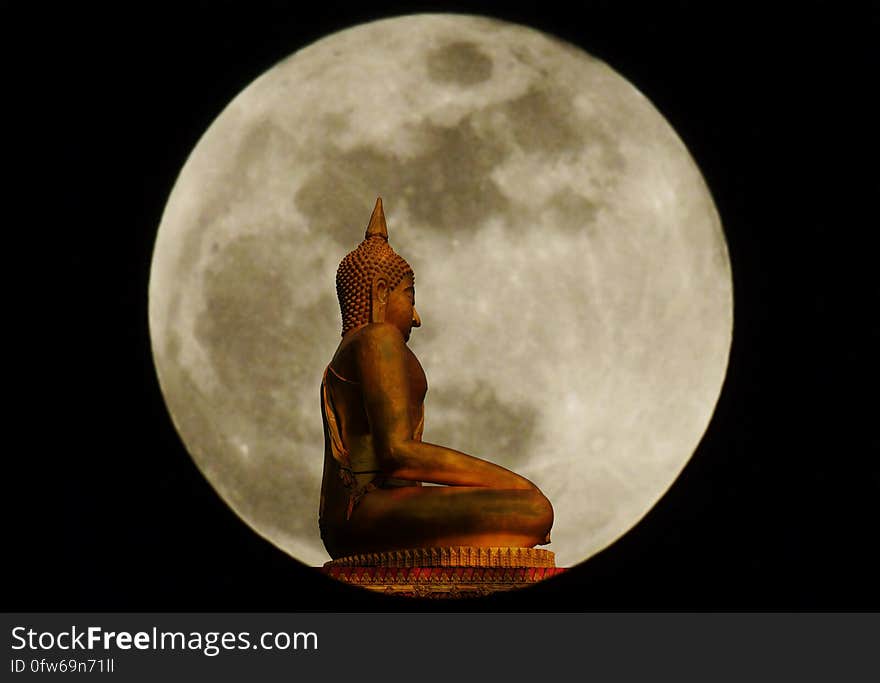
(375, 462)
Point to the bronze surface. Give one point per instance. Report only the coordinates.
(375, 462)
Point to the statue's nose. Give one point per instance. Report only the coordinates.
(417, 321)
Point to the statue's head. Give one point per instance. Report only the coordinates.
(374, 284)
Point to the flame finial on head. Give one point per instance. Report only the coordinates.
(377, 226)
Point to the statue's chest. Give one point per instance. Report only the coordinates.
(418, 383)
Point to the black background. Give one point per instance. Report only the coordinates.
(777, 510)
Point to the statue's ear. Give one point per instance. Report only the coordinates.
(379, 300)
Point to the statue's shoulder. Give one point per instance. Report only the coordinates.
(374, 338)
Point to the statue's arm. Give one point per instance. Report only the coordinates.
(381, 358)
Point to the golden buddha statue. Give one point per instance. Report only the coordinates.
(375, 462)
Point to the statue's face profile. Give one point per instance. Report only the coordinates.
(400, 306)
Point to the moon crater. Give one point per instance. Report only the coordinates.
(461, 63)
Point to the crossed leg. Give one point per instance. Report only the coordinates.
(439, 516)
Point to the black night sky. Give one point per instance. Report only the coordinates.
(778, 508)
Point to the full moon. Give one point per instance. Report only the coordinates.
(572, 274)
